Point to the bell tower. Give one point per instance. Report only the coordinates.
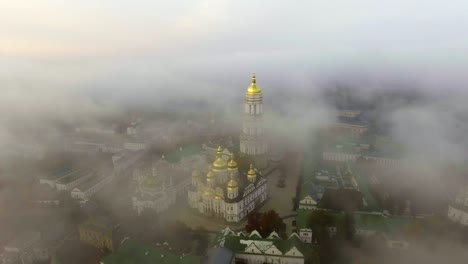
(252, 141)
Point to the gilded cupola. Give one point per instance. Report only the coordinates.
(219, 164)
(251, 174)
(232, 164)
(210, 177)
(253, 88)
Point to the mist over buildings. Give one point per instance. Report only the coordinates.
(64, 65)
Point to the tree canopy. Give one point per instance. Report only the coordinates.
(265, 223)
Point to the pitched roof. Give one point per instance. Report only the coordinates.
(240, 244)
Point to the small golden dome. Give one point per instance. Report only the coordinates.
(219, 163)
(232, 182)
(232, 164)
(210, 176)
(217, 197)
(251, 173)
(253, 88)
(219, 149)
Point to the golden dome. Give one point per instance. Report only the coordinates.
(232, 164)
(219, 163)
(210, 176)
(253, 88)
(251, 173)
(217, 197)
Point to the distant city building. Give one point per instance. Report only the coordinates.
(224, 193)
(252, 139)
(253, 248)
(125, 160)
(458, 209)
(157, 188)
(350, 123)
(91, 186)
(26, 248)
(72, 180)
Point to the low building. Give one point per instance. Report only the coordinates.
(253, 248)
(52, 178)
(306, 235)
(124, 160)
(25, 248)
(307, 203)
(91, 186)
(99, 232)
(72, 180)
(458, 209)
(44, 195)
(350, 123)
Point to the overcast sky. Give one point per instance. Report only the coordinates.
(170, 47)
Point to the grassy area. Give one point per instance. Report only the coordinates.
(131, 252)
(371, 203)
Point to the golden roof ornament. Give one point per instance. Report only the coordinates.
(232, 164)
(253, 88)
(251, 174)
(219, 164)
(210, 176)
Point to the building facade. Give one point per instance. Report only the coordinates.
(224, 193)
(98, 232)
(458, 209)
(158, 188)
(252, 140)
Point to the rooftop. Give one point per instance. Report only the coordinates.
(73, 176)
(188, 150)
(239, 243)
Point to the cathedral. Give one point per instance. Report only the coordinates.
(224, 192)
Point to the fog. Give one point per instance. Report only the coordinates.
(87, 62)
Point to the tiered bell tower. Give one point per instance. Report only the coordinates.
(252, 141)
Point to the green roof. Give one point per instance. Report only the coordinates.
(396, 224)
(233, 242)
(131, 252)
(375, 222)
(188, 150)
